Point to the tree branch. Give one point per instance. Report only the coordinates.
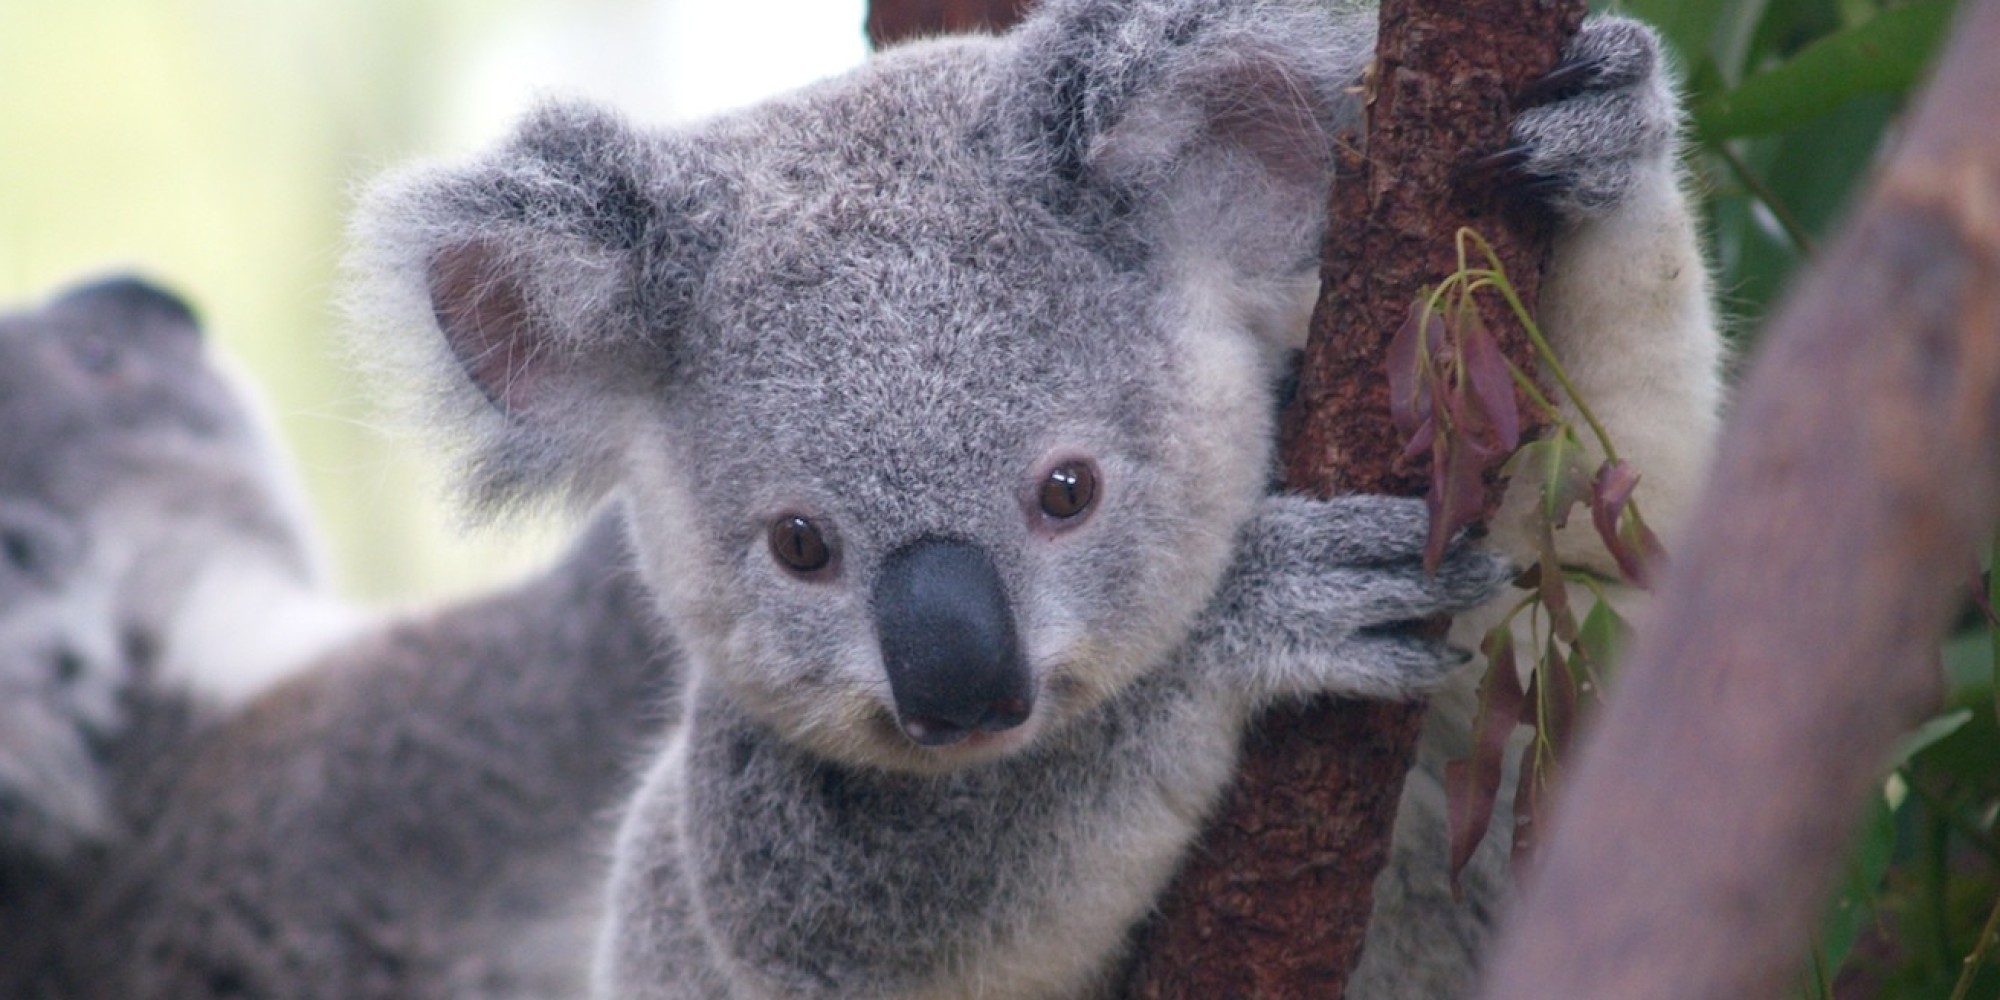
(1796, 634)
(892, 21)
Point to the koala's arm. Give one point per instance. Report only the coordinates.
(1627, 302)
(1325, 596)
(418, 816)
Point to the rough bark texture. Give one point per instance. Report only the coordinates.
(892, 21)
(1276, 902)
(1797, 628)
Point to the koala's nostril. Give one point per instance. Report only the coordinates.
(1006, 714)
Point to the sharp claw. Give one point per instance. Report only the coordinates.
(1538, 187)
(1559, 82)
(1500, 167)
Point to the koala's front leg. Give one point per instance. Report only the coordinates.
(1324, 596)
(1626, 302)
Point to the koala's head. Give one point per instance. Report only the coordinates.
(938, 391)
(118, 418)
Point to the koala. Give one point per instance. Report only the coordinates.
(942, 395)
(421, 814)
(420, 811)
(143, 516)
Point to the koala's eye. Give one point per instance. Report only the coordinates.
(799, 544)
(1069, 490)
(19, 552)
(95, 354)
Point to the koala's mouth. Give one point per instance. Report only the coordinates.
(1001, 716)
(951, 745)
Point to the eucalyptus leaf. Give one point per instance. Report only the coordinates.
(1885, 55)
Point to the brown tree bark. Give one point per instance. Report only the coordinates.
(1276, 901)
(1796, 632)
(892, 21)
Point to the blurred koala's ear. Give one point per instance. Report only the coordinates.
(1188, 125)
(554, 276)
(127, 306)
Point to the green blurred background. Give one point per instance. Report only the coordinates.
(214, 145)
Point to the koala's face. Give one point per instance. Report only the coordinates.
(937, 498)
(102, 378)
(938, 393)
(917, 493)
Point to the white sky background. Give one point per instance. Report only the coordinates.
(670, 60)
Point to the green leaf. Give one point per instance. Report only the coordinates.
(1687, 25)
(1885, 55)
(1601, 637)
(1993, 629)
(1854, 906)
(1554, 464)
(1921, 738)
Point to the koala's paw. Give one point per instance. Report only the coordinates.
(1604, 113)
(1332, 596)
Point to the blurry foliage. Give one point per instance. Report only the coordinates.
(215, 145)
(1790, 102)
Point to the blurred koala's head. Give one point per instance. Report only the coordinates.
(938, 391)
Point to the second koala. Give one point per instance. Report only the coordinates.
(942, 398)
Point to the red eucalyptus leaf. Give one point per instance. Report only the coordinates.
(1457, 497)
(1472, 785)
(1556, 710)
(1631, 543)
(1412, 368)
(1490, 383)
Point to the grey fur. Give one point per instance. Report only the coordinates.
(60, 689)
(1585, 148)
(420, 814)
(891, 304)
(130, 468)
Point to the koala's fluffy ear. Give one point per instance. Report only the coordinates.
(129, 306)
(1187, 126)
(553, 275)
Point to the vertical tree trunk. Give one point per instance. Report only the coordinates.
(1796, 631)
(1276, 901)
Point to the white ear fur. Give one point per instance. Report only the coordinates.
(539, 274)
(1206, 136)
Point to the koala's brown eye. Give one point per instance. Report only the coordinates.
(95, 355)
(1068, 490)
(798, 543)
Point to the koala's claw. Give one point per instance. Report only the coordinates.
(1569, 78)
(1505, 162)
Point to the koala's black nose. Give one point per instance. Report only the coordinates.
(948, 640)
